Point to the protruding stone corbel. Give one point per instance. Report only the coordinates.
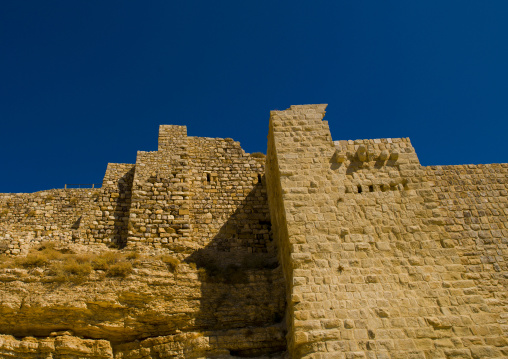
(362, 153)
(339, 157)
(394, 156)
(384, 155)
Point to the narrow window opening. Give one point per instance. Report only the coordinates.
(359, 189)
(259, 178)
(371, 188)
(208, 178)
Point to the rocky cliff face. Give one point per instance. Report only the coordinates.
(169, 308)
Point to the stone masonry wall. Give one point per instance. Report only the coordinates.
(296, 153)
(160, 194)
(474, 199)
(381, 257)
(68, 215)
(108, 220)
(229, 206)
(190, 194)
(199, 192)
(47, 215)
(370, 250)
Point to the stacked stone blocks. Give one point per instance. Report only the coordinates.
(377, 259)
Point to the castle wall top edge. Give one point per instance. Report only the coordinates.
(47, 192)
(316, 107)
(372, 140)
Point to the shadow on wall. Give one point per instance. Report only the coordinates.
(241, 281)
(121, 207)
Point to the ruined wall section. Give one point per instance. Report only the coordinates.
(229, 206)
(53, 215)
(117, 176)
(367, 263)
(107, 221)
(160, 202)
(192, 193)
(92, 215)
(172, 138)
(197, 192)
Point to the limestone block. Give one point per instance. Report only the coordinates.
(384, 155)
(361, 153)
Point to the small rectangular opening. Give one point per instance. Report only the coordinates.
(371, 188)
(359, 189)
(208, 177)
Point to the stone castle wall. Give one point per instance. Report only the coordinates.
(199, 192)
(98, 215)
(383, 257)
(192, 193)
(48, 215)
(379, 256)
(474, 200)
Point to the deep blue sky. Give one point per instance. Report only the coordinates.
(84, 83)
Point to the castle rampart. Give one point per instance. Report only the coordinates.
(323, 249)
(383, 257)
(192, 192)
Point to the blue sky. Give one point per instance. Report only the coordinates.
(84, 83)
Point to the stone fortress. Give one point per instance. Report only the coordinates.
(321, 249)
